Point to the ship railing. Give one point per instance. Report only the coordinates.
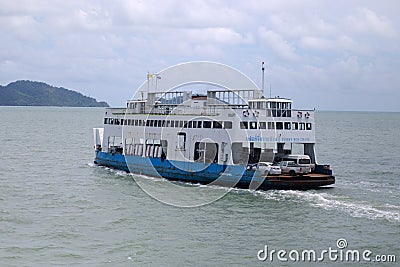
(215, 110)
(279, 113)
(176, 110)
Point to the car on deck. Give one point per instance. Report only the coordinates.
(267, 168)
(293, 169)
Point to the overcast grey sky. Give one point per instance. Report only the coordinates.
(331, 55)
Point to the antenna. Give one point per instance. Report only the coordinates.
(262, 81)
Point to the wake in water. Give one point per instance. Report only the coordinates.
(331, 202)
(117, 172)
(322, 200)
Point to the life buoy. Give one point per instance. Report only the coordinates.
(299, 114)
(256, 113)
(246, 113)
(307, 115)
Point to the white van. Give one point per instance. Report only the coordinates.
(302, 160)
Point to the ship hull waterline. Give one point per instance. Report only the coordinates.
(211, 173)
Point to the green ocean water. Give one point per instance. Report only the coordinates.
(57, 208)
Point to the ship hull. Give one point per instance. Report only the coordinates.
(216, 174)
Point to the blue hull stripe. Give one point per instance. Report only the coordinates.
(194, 172)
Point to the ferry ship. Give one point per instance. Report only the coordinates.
(208, 132)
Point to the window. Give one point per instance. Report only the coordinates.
(227, 124)
(205, 152)
(271, 125)
(199, 124)
(190, 124)
(304, 161)
(240, 154)
(164, 146)
(287, 125)
(279, 125)
(302, 125)
(159, 123)
(253, 125)
(308, 126)
(262, 125)
(217, 125)
(105, 120)
(243, 125)
(295, 125)
(207, 124)
(181, 140)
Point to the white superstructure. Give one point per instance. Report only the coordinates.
(233, 127)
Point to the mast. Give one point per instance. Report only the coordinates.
(262, 80)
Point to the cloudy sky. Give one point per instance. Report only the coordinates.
(331, 55)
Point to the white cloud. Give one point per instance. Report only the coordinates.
(334, 43)
(367, 21)
(105, 48)
(299, 25)
(277, 43)
(217, 35)
(178, 14)
(22, 27)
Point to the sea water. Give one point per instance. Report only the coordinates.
(58, 208)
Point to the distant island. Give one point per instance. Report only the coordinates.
(31, 93)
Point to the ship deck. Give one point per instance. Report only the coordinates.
(301, 182)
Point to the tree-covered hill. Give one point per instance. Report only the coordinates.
(31, 93)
